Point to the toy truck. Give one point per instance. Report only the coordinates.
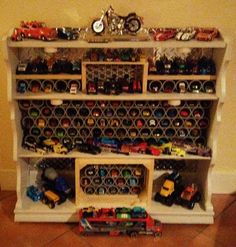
(170, 189)
(50, 198)
(113, 222)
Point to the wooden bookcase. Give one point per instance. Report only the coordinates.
(26, 210)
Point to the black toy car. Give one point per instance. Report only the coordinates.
(68, 33)
(88, 148)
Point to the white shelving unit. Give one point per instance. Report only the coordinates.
(26, 210)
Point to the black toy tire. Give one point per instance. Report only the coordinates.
(133, 22)
(51, 205)
(93, 29)
(191, 205)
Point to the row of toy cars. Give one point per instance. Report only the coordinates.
(53, 190)
(173, 191)
(95, 146)
(184, 34)
(38, 30)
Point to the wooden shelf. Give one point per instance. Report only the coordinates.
(48, 76)
(217, 43)
(68, 212)
(74, 154)
(123, 96)
(181, 77)
(113, 63)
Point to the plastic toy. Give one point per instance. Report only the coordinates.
(116, 24)
(119, 221)
(207, 34)
(170, 189)
(185, 34)
(50, 198)
(68, 33)
(34, 30)
(88, 148)
(34, 193)
(163, 34)
(189, 196)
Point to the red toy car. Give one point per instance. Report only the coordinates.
(163, 34)
(207, 34)
(34, 30)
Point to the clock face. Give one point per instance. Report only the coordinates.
(98, 26)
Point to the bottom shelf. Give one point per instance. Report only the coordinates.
(67, 212)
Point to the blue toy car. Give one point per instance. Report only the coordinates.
(34, 193)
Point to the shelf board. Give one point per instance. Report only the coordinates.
(67, 212)
(217, 43)
(74, 154)
(114, 63)
(48, 76)
(178, 214)
(181, 77)
(123, 96)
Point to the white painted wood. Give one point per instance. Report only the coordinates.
(27, 211)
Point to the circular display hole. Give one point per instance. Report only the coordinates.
(27, 123)
(59, 112)
(35, 86)
(203, 123)
(146, 112)
(102, 123)
(97, 132)
(135, 190)
(102, 172)
(113, 190)
(48, 132)
(53, 122)
(121, 133)
(172, 113)
(84, 112)
(72, 132)
(121, 112)
(133, 112)
(46, 111)
(168, 87)
(109, 132)
(89, 190)
(177, 122)
(96, 112)
(139, 123)
(120, 182)
(60, 86)
(158, 132)
(127, 122)
(133, 181)
(184, 112)
(165, 122)
(35, 131)
(109, 181)
(101, 191)
(189, 123)
(114, 122)
(126, 173)
(97, 181)
(195, 87)
(47, 86)
(170, 132)
(22, 86)
(209, 87)
(33, 112)
(159, 113)
(85, 181)
(145, 132)
(65, 122)
(114, 173)
(182, 133)
(195, 132)
(90, 122)
(24, 104)
(133, 133)
(84, 132)
(71, 112)
(41, 122)
(60, 132)
(109, 112)
(154, 86)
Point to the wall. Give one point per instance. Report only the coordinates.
(218, 13)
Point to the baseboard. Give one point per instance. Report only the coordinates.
(224, 182)
(8, 179)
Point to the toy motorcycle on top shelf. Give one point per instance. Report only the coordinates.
(116, 24)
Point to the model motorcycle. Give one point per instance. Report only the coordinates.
(116, 24)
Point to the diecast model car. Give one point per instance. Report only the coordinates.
(207, 34)
(163, 34)
(185, 34)
(68, 33)
(34, 30)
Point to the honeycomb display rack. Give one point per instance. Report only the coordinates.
(110, 179)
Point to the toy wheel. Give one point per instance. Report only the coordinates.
(44, 200)
(133, 234)
(18, 37)
(191, 205)
(198, 197)
(43, 38)
(133, 25)
(98, 26)
(51, 205)
(169, 202)
(157, 234)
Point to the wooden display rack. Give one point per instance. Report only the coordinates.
(26, 210)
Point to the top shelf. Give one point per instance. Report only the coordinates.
(217, 43)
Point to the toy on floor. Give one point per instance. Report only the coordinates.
(130, 221)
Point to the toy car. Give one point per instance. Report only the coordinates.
(34, 30)
(88, 148)
(34, 193)
(170, 189)
(91, 88)
(50, 198)
(189, 196)
(138, 212)
(185, 34)
(68, 33)
(164, 34)
(207, 34)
